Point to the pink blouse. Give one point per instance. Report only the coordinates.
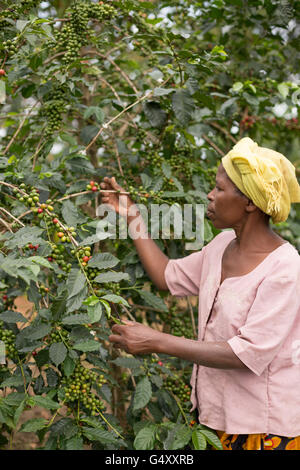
(258, 314)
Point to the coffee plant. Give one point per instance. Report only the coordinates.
(153, 93)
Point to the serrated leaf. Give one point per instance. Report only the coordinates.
(57, 353)
(142, 394)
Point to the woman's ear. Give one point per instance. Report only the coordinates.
(250, 207)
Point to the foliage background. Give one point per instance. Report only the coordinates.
(153, 93)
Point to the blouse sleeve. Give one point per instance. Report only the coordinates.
(273, 313)
(183, 275)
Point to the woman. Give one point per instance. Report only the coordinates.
(246, 374)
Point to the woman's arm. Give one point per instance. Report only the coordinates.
(136, 338)
(153, 259)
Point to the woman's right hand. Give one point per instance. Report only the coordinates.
(119, 202)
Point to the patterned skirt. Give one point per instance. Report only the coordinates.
(258, 442)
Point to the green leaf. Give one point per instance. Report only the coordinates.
(57, 353)
(127, 362)
(76, 319)
(237, 86)
(198, 440)
(97, 434)
(283, 89)
(94, 110)
(178, 437)
(116, 299)
(162, 91)
(94, 312)
(75, 282)
(155, 114)
(40, 260)
(71, 214)
(14, 381)
(44, 402)
(11, 316)
(75, 443)
(212, 438)
(34, 425)
(24, 236)
(103, 261)
(183, 106)
(69, 366)
(86, 346)
(153, 300)
(145, 438)
(142, 394)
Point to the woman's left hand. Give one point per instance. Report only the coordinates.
(135, 338)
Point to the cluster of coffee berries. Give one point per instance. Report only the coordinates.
(92, 186)
(292, 123)
(58, 335)
(247, 122)
(53, 109)
(64, 236)
(74, 33)
(8, 302)
(181, 326)
(9, 338)
(10, 46)
(29, 196)
(114, 287)
(43, 290)
(179, 323)
(178, 387)
(31, 247)
(154, 159)
(60, 256)
(80, 386)
(142, 195)
(84, 254)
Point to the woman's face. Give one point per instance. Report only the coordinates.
(226, 208)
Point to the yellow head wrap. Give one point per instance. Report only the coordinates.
(264, 176)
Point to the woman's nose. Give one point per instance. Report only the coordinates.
(210, 195)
